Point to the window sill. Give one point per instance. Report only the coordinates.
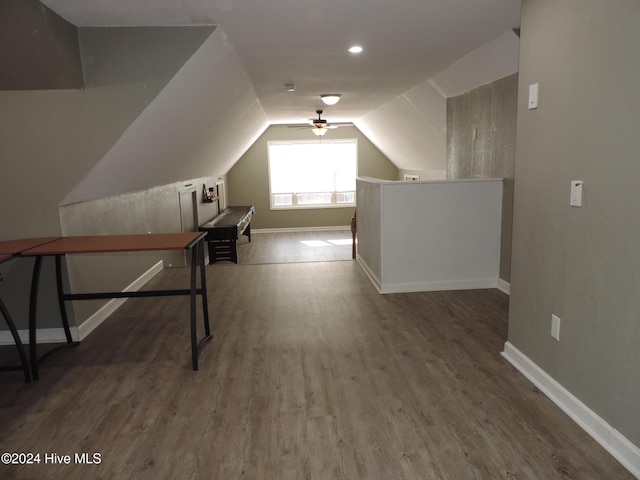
(313, 207)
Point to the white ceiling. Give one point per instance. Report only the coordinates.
(305, 42)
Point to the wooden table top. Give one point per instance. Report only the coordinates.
(117, 243)
(13, 247)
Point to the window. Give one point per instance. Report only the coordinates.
(313, 174)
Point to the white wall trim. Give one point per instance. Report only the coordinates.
(424, 286)
(91, 323)
(45, 335)
(300, 229)
(608, 437)
(467, 284)
(504, 287)
(369, 273)
(56, 335)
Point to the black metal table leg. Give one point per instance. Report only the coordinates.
(33, 312)
(33, 315)
(192, 298)
(61, 304)
(197, 257)
(19, 346)
(203, 287)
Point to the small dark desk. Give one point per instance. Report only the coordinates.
(8, 249)
(225, 229)
(193, 241)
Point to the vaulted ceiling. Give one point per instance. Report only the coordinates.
(305, 42)
(416, 53)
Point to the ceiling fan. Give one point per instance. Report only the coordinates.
(319, 126)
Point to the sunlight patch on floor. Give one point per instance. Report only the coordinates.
(341, 241)
(328, 243)
(315, 243)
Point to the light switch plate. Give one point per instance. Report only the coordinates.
(576, 193)
(533, 96)
(555, 327)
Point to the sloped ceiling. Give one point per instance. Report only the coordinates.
(411, 129)
(395, 91)
(496, 59)
(304, 42)
(202, 121)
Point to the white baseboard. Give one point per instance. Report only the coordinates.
(504, 287)
(424, 286)
(300, 229)
(470, 284)
(45, 335)
(56, 335)
(369, 273)
(91, 323)
(608, 437)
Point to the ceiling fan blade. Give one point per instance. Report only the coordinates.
(319, 123)
(339, 124)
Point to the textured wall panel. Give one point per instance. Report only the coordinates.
(481, 143)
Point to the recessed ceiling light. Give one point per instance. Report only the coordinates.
(355, 49)
(330, 98)
(290, 87)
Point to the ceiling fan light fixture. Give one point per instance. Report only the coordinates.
(330, 98)
(319, 131)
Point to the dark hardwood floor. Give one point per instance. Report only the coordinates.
(311, 375)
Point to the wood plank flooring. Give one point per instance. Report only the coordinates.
(289, 247)
(311, 375)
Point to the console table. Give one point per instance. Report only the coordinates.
(192, 241)
(224, 230)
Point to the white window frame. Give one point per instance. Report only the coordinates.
(332, 198)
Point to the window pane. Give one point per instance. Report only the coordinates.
(309, 167)
(314, 198)
(345, 197)
(282, 200)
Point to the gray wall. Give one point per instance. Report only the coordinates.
(39, 48)
(481, 143)
(581, 264)
(248, 180)
(50, 139)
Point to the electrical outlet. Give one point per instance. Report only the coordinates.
(555, 327)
